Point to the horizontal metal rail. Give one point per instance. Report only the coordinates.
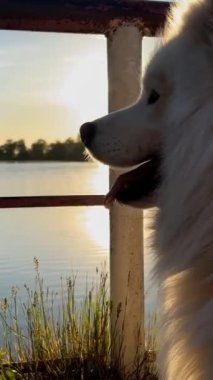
(52, 201)
(80, 16)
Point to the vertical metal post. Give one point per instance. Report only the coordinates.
(126, 225)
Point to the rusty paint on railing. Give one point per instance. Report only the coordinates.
(80, 16)
(52, 201)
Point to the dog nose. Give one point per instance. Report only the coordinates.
(87, 132)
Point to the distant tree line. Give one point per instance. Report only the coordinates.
(69, 150)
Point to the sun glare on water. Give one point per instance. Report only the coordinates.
(96, 223)
(100, 179)
(96, 220)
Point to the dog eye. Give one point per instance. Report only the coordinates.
(153, 97)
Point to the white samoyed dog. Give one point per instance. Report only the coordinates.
(169, 134)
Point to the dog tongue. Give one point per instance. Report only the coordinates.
(136, 177)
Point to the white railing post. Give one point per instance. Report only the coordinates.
(126, 225)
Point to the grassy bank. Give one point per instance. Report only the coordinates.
(51, 336)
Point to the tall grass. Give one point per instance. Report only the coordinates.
(53, 337)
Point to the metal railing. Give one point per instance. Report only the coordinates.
(80, 16)
(52, 201)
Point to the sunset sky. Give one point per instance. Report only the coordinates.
(51, 83)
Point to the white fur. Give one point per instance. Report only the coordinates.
(180, 124)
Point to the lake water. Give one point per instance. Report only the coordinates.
(66, 241)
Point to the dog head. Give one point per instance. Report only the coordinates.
(139, 134)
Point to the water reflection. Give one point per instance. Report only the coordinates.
(96, 223)
(65, 240)
(96, 219)
(100, 179)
